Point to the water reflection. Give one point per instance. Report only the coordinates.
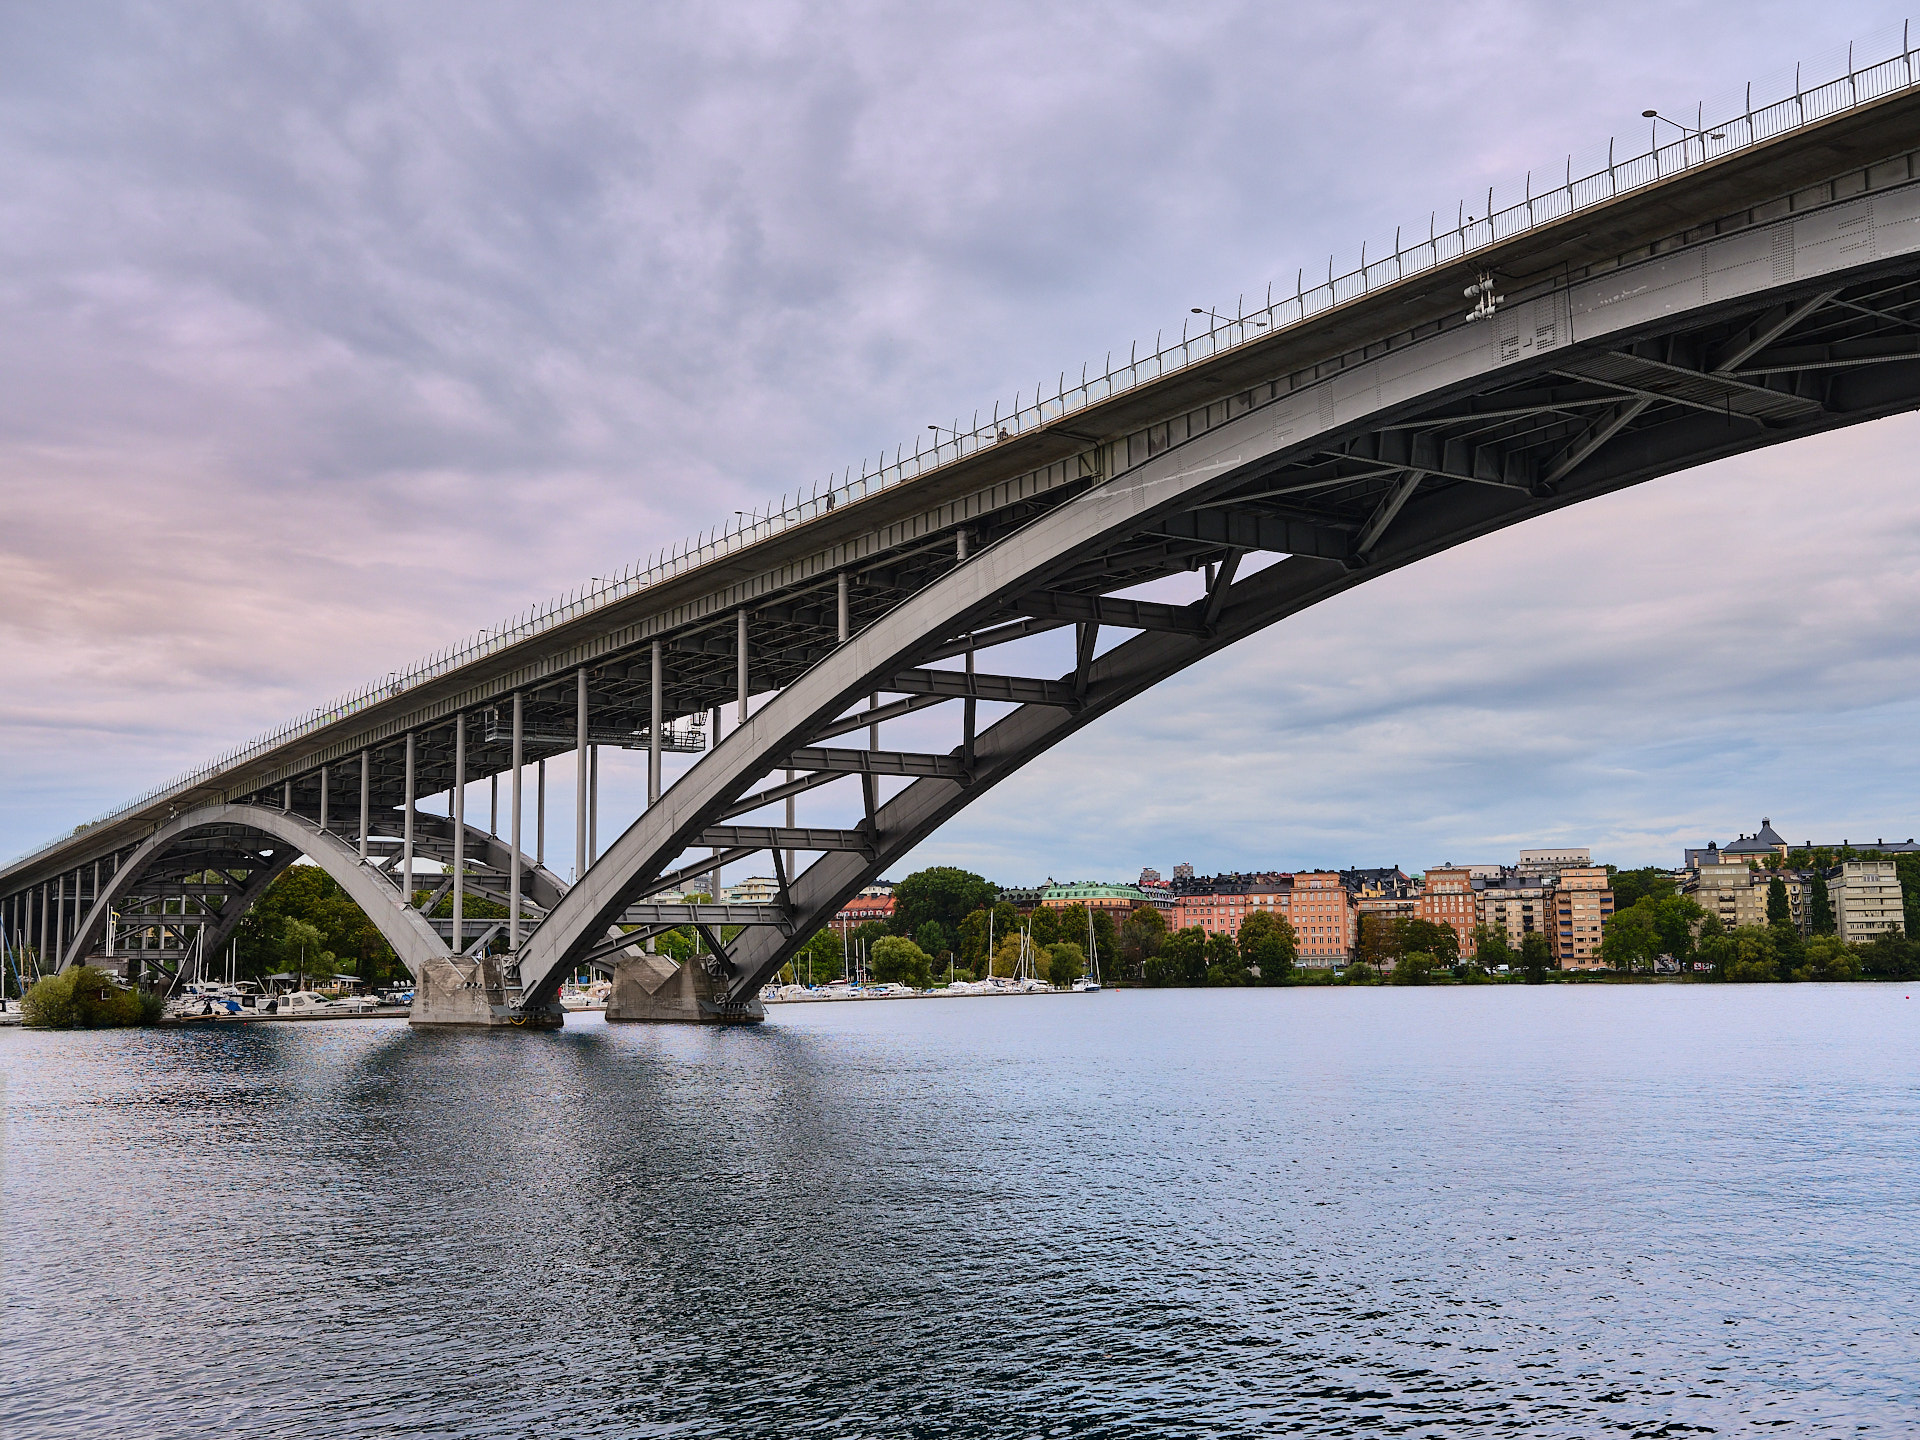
(1502, 1211)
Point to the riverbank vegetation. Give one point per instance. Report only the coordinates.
(86, 999)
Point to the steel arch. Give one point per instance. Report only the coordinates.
(1586, 332)
(412, 939)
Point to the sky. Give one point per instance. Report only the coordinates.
(331, 333)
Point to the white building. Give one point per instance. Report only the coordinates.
(1866, 900)
(754, 890)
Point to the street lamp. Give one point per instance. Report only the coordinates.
(1688, 131)
(1215, 315)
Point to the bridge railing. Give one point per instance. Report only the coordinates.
(1858, 74)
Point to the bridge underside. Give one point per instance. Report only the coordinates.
(1273, 487)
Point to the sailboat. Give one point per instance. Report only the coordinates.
(1089, 983)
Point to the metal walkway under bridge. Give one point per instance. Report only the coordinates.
(1740, 287)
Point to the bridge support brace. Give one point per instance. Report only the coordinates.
(652, 989)
(472, 995)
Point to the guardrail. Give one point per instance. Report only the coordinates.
(1863, 72)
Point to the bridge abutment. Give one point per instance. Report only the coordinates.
(651, 989)
(473, 995)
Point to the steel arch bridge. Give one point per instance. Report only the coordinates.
(1736, 300)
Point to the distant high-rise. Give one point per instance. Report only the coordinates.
(1183, 872)
(1149, 875)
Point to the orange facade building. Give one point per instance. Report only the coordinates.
(862, 908)
(1322, 911)
(1449, 900)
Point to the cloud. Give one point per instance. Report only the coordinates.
(334, 332)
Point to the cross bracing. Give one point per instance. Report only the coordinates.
(1671, 335)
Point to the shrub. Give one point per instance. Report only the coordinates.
(1066, 963)
(85, 998)
(896, 960)
(1414, 969)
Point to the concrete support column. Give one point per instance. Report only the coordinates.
(459, 826)
(513, 844)
(593, 804)
(580, 781)
(323, 797)
(540, 814)
(493, 805)
(286, 797)
(960, 545)
(740, 668)
(655, 711)
(713, 875)
(41, 958)
(366, 802)
(840, 590)
(406, 830)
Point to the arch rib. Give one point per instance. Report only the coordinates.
(412, 939)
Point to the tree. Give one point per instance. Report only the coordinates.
(1379, 941)
(896, 960)
(1630, 887)
(933, 938)
(1140, 939)
(1788, 949)
(1536, 957)
(1066, 963)
(1044, 925)
(1820, 908)
(1492, 947)
(1891, 956)
(1631, 938)
(1225, 965)
(1268, 944)
(1416, 967)
(1826, 957)
(1675, 918)
(85, 998)
(1778, 906)
(943, 894)
(1743, 954)
(1430, 937)
(1182, 959)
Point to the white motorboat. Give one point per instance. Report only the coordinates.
(1086, 985)
(586, 997)
(309, 1005)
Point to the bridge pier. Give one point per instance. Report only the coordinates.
(473, 995)
(651, 989)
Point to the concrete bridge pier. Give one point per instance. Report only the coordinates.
(473, 995)
(653, 989)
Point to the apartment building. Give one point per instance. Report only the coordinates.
(1582, 903)
(862, 908)
(1548, 863)
(1516, 904)
(1323, 915)
(1118, 900)
(1727, 889)
(1866, 900)
(1220, 905)
(1448, 898)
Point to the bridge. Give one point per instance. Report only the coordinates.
(1743, 285)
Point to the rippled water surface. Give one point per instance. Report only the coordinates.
(1498, 1211)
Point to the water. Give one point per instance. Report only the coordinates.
(1497, 1211)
